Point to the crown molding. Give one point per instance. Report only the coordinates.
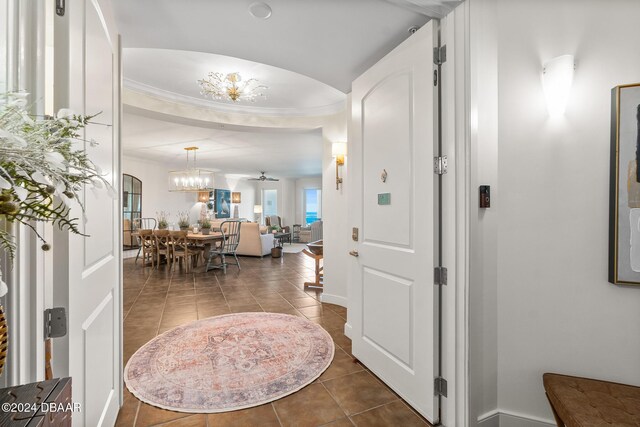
(325, 110)
(431, 8)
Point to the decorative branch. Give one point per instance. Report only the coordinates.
(43, 168)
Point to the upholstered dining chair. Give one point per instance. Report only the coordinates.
(142, 224)
(181, 249)
(228, 245)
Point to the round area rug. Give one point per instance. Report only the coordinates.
(229, 362)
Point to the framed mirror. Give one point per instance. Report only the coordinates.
(624, 197)
(131, 208)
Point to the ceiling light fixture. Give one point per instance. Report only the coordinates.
(231, 87)
(260, 10)
(191, 179)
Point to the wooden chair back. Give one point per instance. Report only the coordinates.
(146, 238)
(179, 240)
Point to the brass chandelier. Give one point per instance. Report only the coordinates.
(231, 87)
(191, 179)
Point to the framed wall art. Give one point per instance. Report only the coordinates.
(223, 203)
(624, 197)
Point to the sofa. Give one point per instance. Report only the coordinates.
(253, 242)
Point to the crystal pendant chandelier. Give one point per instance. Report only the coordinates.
(231, 87)
(191, 179)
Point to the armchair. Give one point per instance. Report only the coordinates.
(274, 220)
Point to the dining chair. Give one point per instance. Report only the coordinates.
(182, 249)
(147, 246)
(142, 224)
(162, 243)
(228, 245)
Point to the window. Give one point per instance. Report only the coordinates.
(312, 205)
(269, 202)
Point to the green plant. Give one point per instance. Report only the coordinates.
(205, 223)
(183, 219)
(162, 219)
(44, 167)
(275, 228)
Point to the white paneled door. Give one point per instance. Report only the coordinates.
(393, 193)
(87, 76)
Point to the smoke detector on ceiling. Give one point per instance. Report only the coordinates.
(260, 10)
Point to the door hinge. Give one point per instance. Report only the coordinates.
(440, 165)
(440, 386)
(55, 322)
(440, 276)
(440, 55)
(60, 7)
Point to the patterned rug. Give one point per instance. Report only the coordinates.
(229, 362)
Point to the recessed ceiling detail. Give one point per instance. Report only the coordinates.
(231, 86)
(332, 42)
(236, 150)
(172, 74)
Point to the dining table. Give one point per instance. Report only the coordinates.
(206, 240)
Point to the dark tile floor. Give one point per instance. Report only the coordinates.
(346, 394)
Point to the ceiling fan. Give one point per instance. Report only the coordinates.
(263, 178)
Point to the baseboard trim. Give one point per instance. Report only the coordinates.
(347, 330)
(502, 418)
(334, 299)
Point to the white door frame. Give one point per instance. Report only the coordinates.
(456, 199)
(29, 278)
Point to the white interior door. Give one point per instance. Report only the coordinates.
(391, 308)
(88, 77)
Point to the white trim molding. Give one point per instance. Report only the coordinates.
(502, 418)
(324, 110)
(348, 330)
(334, 299)
(431, 8)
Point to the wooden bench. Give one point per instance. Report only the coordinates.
(577, 401)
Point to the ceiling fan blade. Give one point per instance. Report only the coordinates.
(253, 179)
(273, 179)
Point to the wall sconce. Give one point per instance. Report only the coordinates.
(557, 77)
(203, 196)
(338, 151)
(235, 197)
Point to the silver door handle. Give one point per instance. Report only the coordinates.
(354, 253)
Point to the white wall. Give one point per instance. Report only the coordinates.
(155, 188)
(301, 185)
(247, 191)
(286, 198)
(556, 311)
(483, 223)
(335, 227)
(156, 196)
